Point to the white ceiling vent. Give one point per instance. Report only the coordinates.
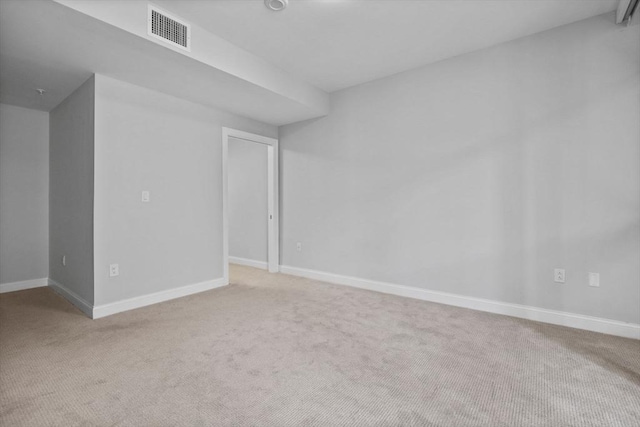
(168, 28)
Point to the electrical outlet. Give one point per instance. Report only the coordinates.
(299, 247)
(594, 280)
(64, 260)
(146, 196)
(114, 270)
(558, 275)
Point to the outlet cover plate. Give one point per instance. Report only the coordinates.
(114, 270)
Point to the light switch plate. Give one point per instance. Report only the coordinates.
(594, 280)
(146, 196)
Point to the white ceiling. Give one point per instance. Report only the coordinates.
(336, 44)
(47, 45)
(330, 44)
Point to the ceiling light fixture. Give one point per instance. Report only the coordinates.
(41, 91)
(276, 5)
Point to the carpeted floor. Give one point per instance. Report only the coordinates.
(275, 350)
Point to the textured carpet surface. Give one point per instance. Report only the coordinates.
(275, 350)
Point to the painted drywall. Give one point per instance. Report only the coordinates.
(71, 151)
(254, 86)
(146, 140)
(24, 194)
(480, 174)
(248, 210)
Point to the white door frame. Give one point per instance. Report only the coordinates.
(273, 251)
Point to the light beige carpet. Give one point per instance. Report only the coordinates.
(275, 350)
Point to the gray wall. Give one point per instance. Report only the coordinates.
(147, 140)
(248, 210)
(71, 130)
(24, 194)
(480, 174)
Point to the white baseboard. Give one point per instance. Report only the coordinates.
(579, 321)
(75, 299)
(249, 262)
(23, 284)
(154, 298)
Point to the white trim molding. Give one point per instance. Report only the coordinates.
(154, 298)
(273, 240)
(75, 299)
(98, 311)
(572, 320)
(23, 284)
(248, 262)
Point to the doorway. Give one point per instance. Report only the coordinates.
(229, 136)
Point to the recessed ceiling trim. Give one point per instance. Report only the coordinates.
(276, 5)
